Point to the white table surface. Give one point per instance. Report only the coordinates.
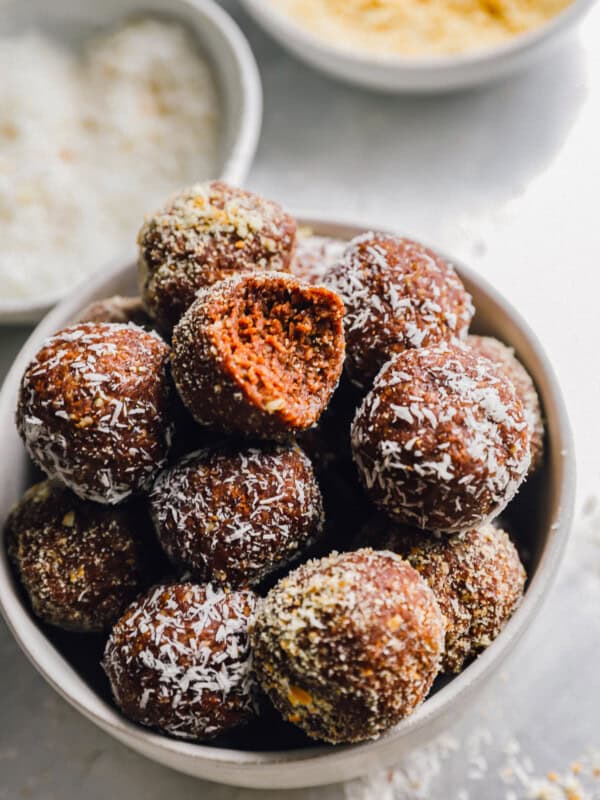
(506, 178)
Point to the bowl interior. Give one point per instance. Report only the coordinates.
(538, 519)
(220, 41)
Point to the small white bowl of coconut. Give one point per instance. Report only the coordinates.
(105, 108)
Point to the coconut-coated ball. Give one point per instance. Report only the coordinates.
(80, 563)
(202, 235)
(441, 441)
(95, 409)
(504, 357)
(179, 660)
(347, 646)
(477, 578)
(398, 294)
(235, 513)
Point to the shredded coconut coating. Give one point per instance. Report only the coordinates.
(504, 357)
(80, 563)
(347, 646)
(116, 309)
(202, 235)
(477, 578)
(179, 660)
(94, 409)
(259, 354)
(314, 256)
(398, 294)
(442, 440)
(234, 515)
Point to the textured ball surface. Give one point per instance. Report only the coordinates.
(235, 514)
(398, 294)
(442, 440)
(347, 646)
(179, 660)
(80, 563)
(116, 309)
(259, 354)
(94, 409)
(314, 257)
(504, 357)
(477, 578)
(202, 235)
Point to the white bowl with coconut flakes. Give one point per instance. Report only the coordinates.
(105, 107)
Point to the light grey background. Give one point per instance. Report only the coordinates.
(507, 179)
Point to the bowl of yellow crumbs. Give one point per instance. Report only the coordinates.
(419, 45)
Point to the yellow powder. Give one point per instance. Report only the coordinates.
(419, 27)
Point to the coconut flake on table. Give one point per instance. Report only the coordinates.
(90, 141)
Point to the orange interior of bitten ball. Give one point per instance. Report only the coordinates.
(284, 347)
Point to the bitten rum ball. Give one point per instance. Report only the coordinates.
(202, 235)
(80, 563)
(441, 441)
(179, 660)
(259, 354)
(398, 294)
(235, 514)
(505, 359)
(95, 410)
(347, 646)
(477, 578)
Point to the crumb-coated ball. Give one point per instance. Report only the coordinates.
(398, 294)
(95, 409)
(442, 440)
(179, 660)
(234, 514)
(203, 234)
(477, 578)
(116, 309)
(504, 357)
(80, 563)
(314, 256)
(347, 646)
(259, 354)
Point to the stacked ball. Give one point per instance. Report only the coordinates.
(216, 569)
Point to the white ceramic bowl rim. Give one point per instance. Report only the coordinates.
(54, 668)
(520, 43)
(235, 166)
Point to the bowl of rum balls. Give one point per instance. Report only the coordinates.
(279, 498)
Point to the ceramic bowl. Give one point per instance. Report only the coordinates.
(219, 39)
(405, 74)
(540, 517)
